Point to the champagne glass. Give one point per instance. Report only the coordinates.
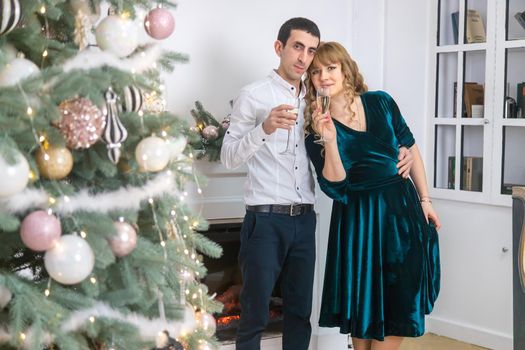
(323, 101)
(289, 147)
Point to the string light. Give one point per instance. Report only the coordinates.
(199, 190)
(22, 336)
(52, 200)
(66, 199)
(93, 280)
(46, 292)
(43, 9)
(92, 319)
(29, 111)
(163, 243)
(83, 234)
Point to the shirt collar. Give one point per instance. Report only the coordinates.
(286, 85)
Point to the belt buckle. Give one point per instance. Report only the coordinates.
(292, 210)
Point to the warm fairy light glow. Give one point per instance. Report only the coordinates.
(46, 292)
(50, 211)
(29, 111)
(45, 53)
(66, 199)
(83, 234)
(92, 319)
(150, 201)
(186, 251)
(52, 200)
(42, 9)
(186, 218)
(32, 175)
(163, 243)
(41, 138)
(141, 114)
(164, 133)
(199, 190)
(125, 15)
(93, 280)
(22, 336)
(46, 156)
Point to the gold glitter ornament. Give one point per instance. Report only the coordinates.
(82, 122)
(54, 163)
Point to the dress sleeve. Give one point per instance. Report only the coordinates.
(401, 129)
(336, 190)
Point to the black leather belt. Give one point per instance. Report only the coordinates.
(288, 209)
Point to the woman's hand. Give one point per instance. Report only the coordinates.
(430, 214)
(324, 126)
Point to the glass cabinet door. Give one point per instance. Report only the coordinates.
(515, 20)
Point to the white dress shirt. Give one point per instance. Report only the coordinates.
(273, 178)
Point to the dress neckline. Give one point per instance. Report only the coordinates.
(365, 116)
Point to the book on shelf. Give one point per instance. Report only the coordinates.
(520, 17)
(473, 94)
(451, 178)
(520, 100)
(475, 32)
(471, 174)
(455, 25)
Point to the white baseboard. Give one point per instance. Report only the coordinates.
(469, 334)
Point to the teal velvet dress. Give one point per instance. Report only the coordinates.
(382, 266)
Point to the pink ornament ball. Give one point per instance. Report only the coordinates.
(40, 231)
(159, 23)
(124, 241)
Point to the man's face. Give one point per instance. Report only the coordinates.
(296, 55)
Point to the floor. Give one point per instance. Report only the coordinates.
(433, 342)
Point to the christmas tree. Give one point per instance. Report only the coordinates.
(99, 249)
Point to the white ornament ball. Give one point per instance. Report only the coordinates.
(5, 296)
(177, 146)
(188, 325)
(152, 154)
(14, 176)
(125, 239)
(117, 35)
(70, 261)
(206, 322)
(210, 132)
(16, 71)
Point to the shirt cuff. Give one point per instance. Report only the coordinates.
(258, 136)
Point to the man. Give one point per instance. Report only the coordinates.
(278, 233)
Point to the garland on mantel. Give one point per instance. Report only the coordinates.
(209, 132)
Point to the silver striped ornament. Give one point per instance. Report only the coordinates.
(133, 99)
(10, 13)
(114, 132)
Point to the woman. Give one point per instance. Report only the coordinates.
(382, 268)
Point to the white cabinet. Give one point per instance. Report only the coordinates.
(477, 100)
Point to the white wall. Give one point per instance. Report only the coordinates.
(231, 43)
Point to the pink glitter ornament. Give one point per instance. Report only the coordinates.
(210, 132)
(82, 122)
(124, 241)
(40, 231)
(159, 23)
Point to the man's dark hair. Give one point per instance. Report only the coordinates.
(298, 23)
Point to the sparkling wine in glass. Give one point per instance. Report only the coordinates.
(289, 147)
(323, 101)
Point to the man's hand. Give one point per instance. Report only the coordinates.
(405, 160)
(281, 117)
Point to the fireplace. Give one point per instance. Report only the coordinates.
(224, 279)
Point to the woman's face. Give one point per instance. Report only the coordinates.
(329, 77)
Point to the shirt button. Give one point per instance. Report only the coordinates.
(296, 123)
(296, 168)
(296, 145)
(227, 132)
(298, 188)
(264, 139)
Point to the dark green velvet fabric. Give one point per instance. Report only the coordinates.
(382, 267)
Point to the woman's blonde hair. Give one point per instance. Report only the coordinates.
(353, 83)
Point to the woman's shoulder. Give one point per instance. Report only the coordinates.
(377, 95)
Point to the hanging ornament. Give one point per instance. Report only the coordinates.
(14, 176)
(132, 99)
(124, 241)
(159, 23)
(5, 296)
(16, 71)
(152, 154)
(82, 26)
(40, 230)
(165, 342)
(89, 8)
(117, 35)
(177, 146)
(210, 132)
(70, 261)
(9, 15)
(206, 322)
(153, 103)
(82, 122)
(226, 123)
(114, 133)
(54, 163)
